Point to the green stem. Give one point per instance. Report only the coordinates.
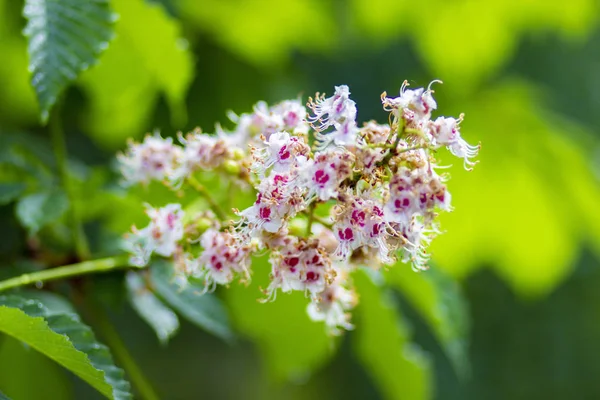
(60, 152)
(67, 271)
(118, 348)
(200, 188)
(311, 218)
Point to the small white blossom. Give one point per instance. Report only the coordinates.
(153, 159)
(445, 132)
(161, 236)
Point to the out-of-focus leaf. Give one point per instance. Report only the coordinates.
(64, 37)
(40, 209)
(203, 310)
(10, 192)
(3, 396)
(381, 342)
(527, 207)
(25, 158)
(51, 382)
(276, 30)
(54, 303)
(17, 97)
(148, 57)
(63, 338)
(161, 318)
(292, 345)
(440, 302)
(448, 44)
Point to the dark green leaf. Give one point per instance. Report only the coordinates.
(63, 338)
(440, 302)
(64, 37)
(203, 310)
(10, 192)
(160, 317)
(40, 209)
(381, 342)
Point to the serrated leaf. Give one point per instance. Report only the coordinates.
(51, 380)
(64, 37)
(40, 209)
(148, 58)
(381, 342)
(66, 340)
(203, 310)
(438, 299)
(291, 344)
(10, 192)
(161, 318)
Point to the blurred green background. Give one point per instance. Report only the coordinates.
(524, 239)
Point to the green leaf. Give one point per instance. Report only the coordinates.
(525, 214)
(291, 344)
(253, 28)
(40, 209)
(438, 298)
(147, 58)
(203, 310)
(65, 37)
(51, 380)
(64, 339)
(161, 318)
(10, 192)
(381, 342)
(3, 396)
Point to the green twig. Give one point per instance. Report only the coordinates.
(67, 271)
(60, 152)
(311, 217)
(200, 188)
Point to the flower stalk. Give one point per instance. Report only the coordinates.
(67, 271)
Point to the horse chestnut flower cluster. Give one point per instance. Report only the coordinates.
(329, 196)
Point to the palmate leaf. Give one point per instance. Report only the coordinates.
(381, 342)
(11, 191)
(64, 38)
(439, 301)
(63, 338)
(161, 318)
(40, 209)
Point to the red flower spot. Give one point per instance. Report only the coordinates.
(321, 177)
(265, 213)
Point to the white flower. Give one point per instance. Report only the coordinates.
(200, 151)
(222, 259)
(153, 159)
(415, 106)
(332, 110)
(326, 172)
(282, 152)
(161, 236)
(333, 304)
(445, 132)
(300, 265)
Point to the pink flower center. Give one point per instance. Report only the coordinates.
(284, 153)
(321, 177)
(265, 213)
(346, 234)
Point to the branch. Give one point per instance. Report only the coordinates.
(67, 271)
